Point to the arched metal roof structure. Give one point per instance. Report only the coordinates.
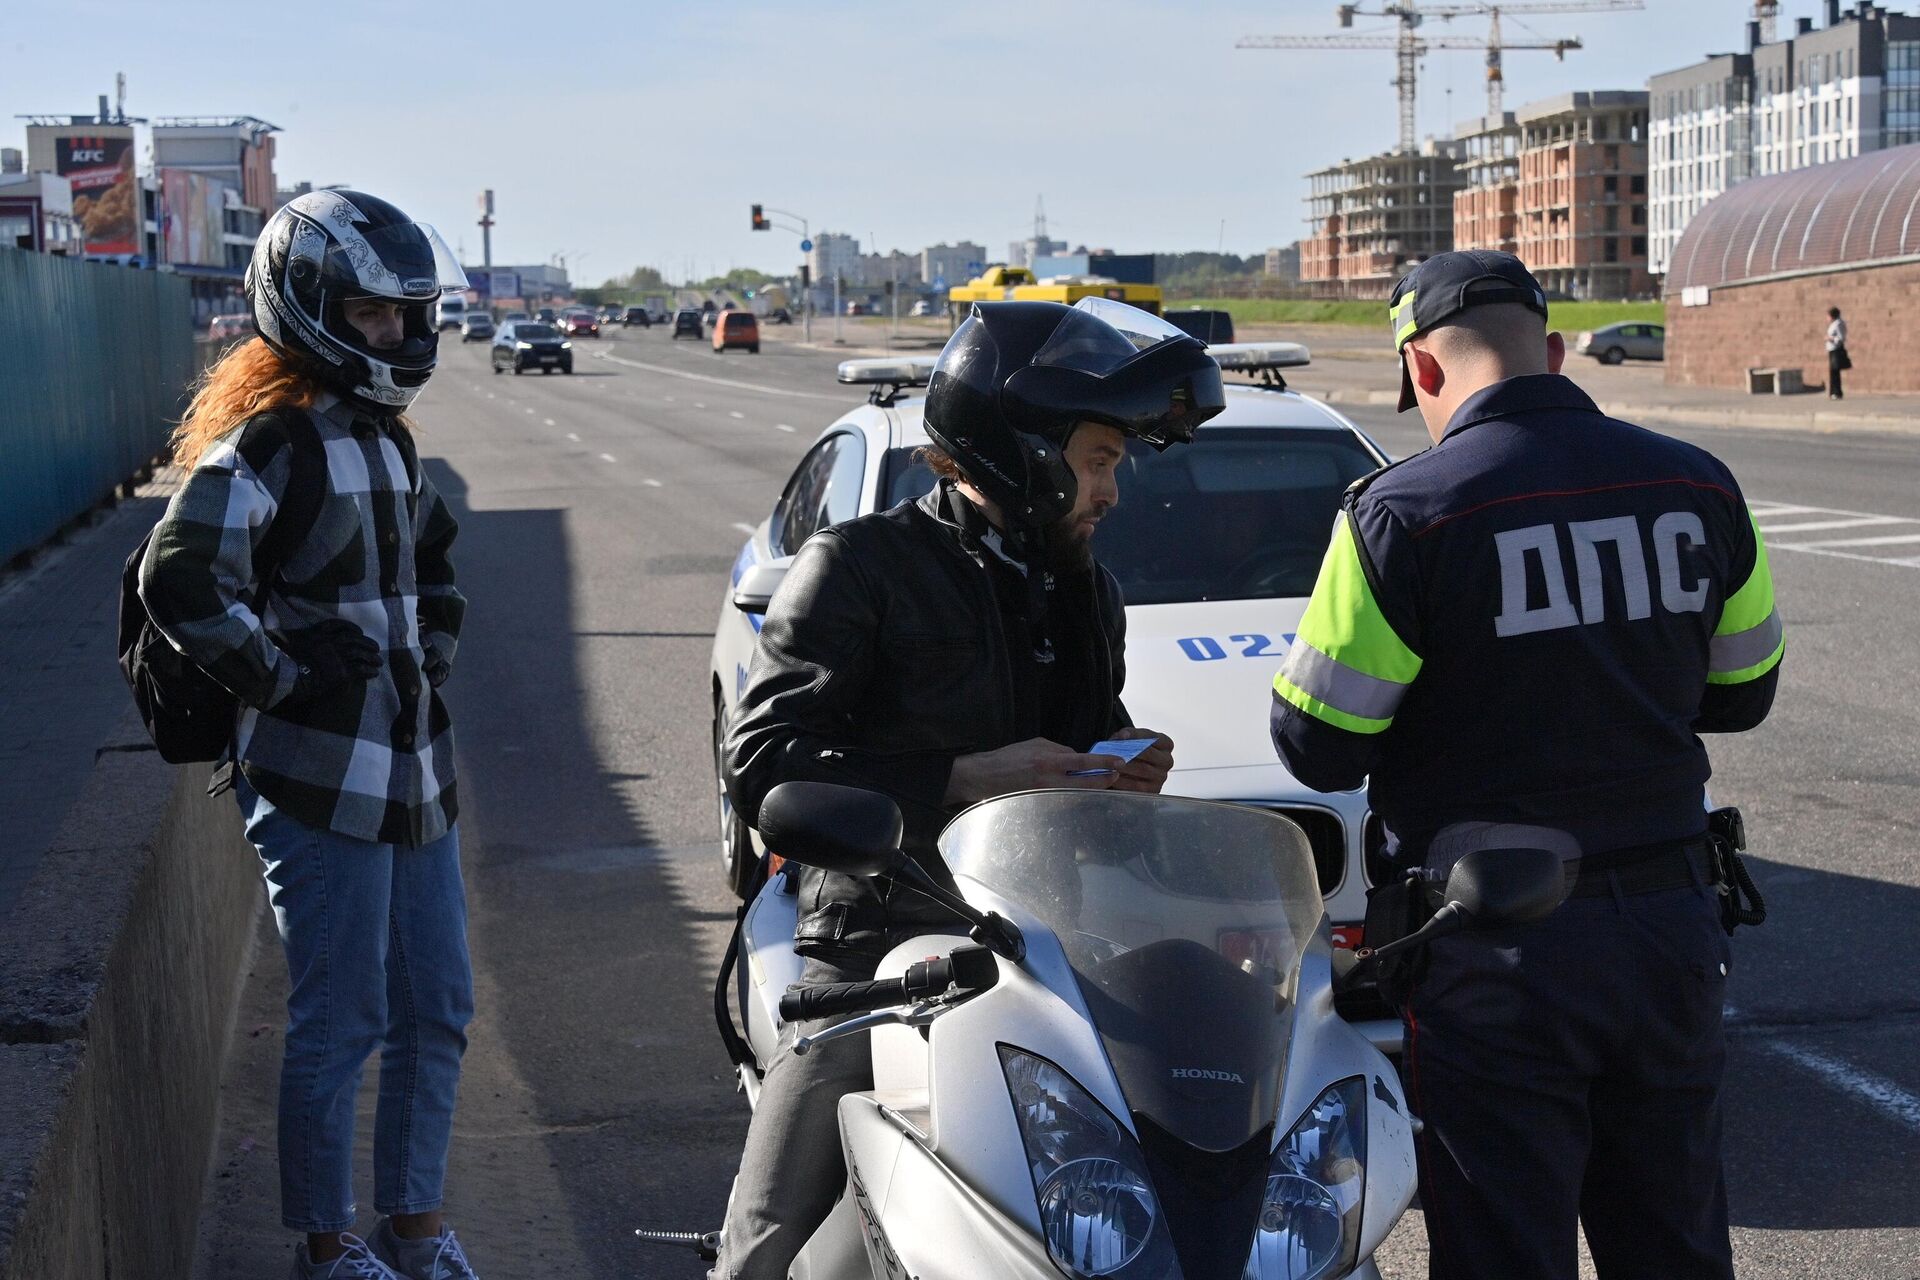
(1846, 213)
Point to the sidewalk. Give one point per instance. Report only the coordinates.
(1353, 365)
(60, 690)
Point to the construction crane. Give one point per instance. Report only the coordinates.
(1409, 46)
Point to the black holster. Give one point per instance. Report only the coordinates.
(1740, 901)
(1394, 910)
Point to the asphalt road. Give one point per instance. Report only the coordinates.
(599, 515)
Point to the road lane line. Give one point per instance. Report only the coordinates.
(574, 436)
(1854, 522)
(698, 405)
(651, 483)
(735, 413)
(549, 421)
(1882, 1095)
(1865, 542)
(719, 382)
(743, 527)
(1844, 555)
(783, 427)
(607, 457)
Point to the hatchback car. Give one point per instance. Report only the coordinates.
(477, 327)
(1618, 343)
(686, 324)
(737, 329)
(635, 315)
(580, 324)
(1216, 545)
(528, 344)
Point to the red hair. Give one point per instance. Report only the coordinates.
(250, 378)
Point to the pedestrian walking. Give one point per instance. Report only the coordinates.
(342, 756)
(1838, 361)
(1514, 642)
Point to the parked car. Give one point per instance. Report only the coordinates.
(528, 344)
(227, 328)
(579, 324)
(857, 309)
(686, 323)
(1617, 343)
(922, 308)
(477, 327)
(737, 329)
(779, 315)
(635, 315)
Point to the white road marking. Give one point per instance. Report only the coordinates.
(574, 436)
(490, 395)
(783, 426)
(651, 483)
(698, 405)
(743, 527)
(549, 421)
(735, 413)
(1787, 537)
(607, 457)
(1881, 1094)
(719, 382)
(669, 399)
(529, 410)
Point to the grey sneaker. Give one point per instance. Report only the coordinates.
(434, 1258)
(357, 1263)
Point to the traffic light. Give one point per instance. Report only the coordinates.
(760, 222)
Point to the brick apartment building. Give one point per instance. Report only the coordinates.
(1753, 276)
(1485, 212)
(1581, 203)
(1371, 219)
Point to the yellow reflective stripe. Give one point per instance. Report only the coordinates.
(1401, 318)
(1748, 607)
(1343, 625)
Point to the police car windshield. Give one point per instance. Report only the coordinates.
(1242, 513)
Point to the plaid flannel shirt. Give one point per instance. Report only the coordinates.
(375, 760)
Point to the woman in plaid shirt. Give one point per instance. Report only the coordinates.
(343, 749)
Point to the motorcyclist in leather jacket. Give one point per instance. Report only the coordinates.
(955, 648)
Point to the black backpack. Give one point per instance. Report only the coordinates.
(189, 715)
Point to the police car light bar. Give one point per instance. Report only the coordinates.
(888, 371)
(1253, 357)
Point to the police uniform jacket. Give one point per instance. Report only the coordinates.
(1530, 623)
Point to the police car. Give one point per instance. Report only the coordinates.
(1216, 545)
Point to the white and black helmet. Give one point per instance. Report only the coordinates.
(325, 248)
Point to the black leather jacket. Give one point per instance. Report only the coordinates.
(883, 657)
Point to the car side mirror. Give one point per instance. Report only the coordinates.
(1496, 887)
(754, 592)
(848, 830)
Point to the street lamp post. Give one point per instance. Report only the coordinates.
(806, 299)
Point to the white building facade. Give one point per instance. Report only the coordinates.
(835, 255)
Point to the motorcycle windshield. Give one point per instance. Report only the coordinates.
(1184, 922)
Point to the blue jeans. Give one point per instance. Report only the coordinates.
(376, 944)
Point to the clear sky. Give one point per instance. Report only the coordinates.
(640, 132)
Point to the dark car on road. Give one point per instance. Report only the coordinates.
(635, 315)
(528, 344)
(686, 323)
(477, 327)
(1208, 326)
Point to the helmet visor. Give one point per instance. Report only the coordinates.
(408, 262)
(1098, 335)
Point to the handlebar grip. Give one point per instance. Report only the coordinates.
(832, 998)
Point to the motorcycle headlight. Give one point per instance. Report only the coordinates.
(1310, 1220)
(1098, 1213)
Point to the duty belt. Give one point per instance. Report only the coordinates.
(1647, 869)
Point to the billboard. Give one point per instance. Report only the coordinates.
(106, 198)
(193, 213)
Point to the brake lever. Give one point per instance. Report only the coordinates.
(918, 1015)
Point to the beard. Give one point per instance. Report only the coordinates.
(1068, 549)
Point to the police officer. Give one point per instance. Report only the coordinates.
(1518, 634)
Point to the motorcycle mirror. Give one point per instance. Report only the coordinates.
(848, 830)
(754, 592)
(1496, 887)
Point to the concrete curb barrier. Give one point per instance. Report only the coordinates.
(120, 970)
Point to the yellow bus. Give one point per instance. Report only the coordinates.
(1018, 284)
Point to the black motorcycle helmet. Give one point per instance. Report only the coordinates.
(325, 248)
(1017, 377)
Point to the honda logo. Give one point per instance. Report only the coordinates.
(1205, 1073)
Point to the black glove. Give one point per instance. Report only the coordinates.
(435, 668)
(332, 656)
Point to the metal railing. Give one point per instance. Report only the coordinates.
(94, 362)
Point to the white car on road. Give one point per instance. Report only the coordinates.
(1216, 545)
